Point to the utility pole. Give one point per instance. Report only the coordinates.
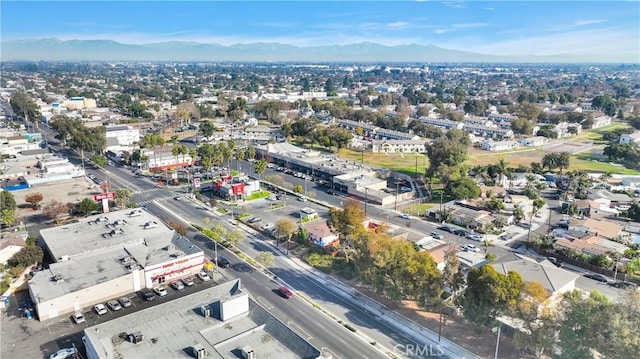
(366, 199)
(397, 193)
(498, 341)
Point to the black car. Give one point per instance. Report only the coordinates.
(446, 229)
(623, 285)
(147, 294)
(460, 232)
(598, 277)
(223, 262)
(556, 262)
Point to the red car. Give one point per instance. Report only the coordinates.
(285, 292)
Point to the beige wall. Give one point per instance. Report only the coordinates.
(8, 252)
(87, 297)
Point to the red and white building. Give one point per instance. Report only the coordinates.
(162, 158)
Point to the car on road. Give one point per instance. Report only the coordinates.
(460, 232)
(78, 318)
(114, 305)
(506, 237)
(623, 285)
(446, 229)
(204, 276)
(405, 216)
(285, 292)
(255, 219)
(524, 225)
(556, 262)
(125, 302)
(187, 281)
(268, 226)
(147, 294)
(223, 262)
(475, 237)
(177, 285)
(598, 277)
(302, 199)
(436, 235)
(64, 354)
(470, 248)
(160, 291)
(100, 309)
(177, 198)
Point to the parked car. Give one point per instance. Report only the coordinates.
(160, 291)
(255, 219)
(177, 285)
(285, 292)
(598, 277)
(506, 237)
(125, 302)
(446, 229)
(64, 354)
(100, 309)
(187, 281)
(475, 237)
(268, 226)
(204, 276)
(78, 318)
(302, 199)
(623, 285)
(147, 294)
(436, 235)
(556, 262)
(405, 216)
(223, 262)
(114, 305)
(460, 232)
(524, 225)
(470, 248)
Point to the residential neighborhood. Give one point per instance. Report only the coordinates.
(397, 186)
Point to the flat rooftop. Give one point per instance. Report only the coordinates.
(148, 239)
(172, 328)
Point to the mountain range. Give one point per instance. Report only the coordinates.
(108, 50)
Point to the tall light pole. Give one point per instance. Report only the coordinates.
(498, 341)
(397, 193)
(366, 200)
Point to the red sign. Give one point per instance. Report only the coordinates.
(238, 188)
(101, 196)
(196, 182)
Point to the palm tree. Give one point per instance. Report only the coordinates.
(550, 161)
(502, 169)
(240, 155)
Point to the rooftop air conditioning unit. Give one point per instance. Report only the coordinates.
(58, 278)
(135, 338)
(206, 311)
(248, 353)
(199, 351)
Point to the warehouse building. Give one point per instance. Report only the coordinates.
(219, 322)
(106, 256)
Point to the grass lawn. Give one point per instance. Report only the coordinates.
(420, 209)
(391, 161)
(585, 163)
(257, 195)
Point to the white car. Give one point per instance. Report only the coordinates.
(302, 199)
(100, 309)
(268, 226)
(470, 248)
(177, 285)
(204, 276)
(405, 216)
(160, 291)
(78, 318)
(64, 354)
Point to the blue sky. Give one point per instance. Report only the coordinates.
(503, 28)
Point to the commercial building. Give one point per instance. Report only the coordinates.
(219, 322)
(106, 256)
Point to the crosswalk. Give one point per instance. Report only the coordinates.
(148, 190)
(157, 199)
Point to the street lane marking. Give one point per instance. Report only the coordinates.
(264, 303)
(298, 329)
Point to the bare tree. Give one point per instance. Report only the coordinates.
(54, 210)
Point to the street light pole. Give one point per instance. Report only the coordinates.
(397, 193)
(366, 199)
(498, 341)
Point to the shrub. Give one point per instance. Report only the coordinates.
(27, 256)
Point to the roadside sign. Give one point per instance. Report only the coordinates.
(196, 182)
(101, 196)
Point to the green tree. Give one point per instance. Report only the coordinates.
(265, 258)
(7, 201)
(587, 323)
(298, 188)
(86, 206)
(464, 188)
(24, 106)
(285, 227)
(260, 166)
(348, 220)
(490, 294)
(234, 237)
(123, 195)
(207, 128)
(27, 256)
(240, 156)
(445, 151)
(8, 217)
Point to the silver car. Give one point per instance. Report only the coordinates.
(125, 302)
(114, 305)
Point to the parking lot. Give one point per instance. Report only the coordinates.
(30, 338)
